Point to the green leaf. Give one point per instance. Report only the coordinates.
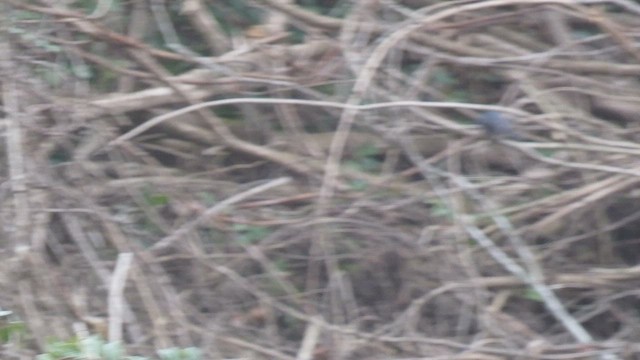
(546, 152)
(63, 349)
(169, 354)
(461, 95)
(440, 209)
(82, 71)
(358, 185)
(250, 234)
(531, 294)
(207, 198)
(112, 351)
(154, 199)
(158, 200)
(15, 30)
(366, 150)
(91, 347)
(52, 77)
(442, 78)
(11, 330)
(26, 15)
(191, 353)
(282, 265)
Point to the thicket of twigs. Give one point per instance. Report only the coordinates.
(304, 180)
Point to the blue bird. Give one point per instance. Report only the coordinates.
(498, 125)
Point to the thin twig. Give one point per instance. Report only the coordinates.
(219, 207)
(116, 294)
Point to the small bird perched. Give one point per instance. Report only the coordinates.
(497, 125)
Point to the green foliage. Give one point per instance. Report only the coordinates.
(339, 8)
(61, 350)
(10, 329)
(24, 15)
(94, 348)
(366, 151)
(531, 294)
(30, 36)
(104, 78)
(449, 83)
(365, 159)
(229, 113)
(235, 15)
(546, 152)
(212, 236)
(282, 265)
(365, 164)
(296, 35)
(154, 202)
(461, 95)
(155, 199)
(207, 198)
(40, 42)
(358, 185)
(53, 77)
(250, 13)
(349, 267)
(250, 234)
(327, 89)
(442, 77)
(59, 156)
(440, 209)
(85, 5)
(180, 354)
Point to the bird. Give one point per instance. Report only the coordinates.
(498, 125)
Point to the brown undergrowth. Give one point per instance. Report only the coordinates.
(278, 180)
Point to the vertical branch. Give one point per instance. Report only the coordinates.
(14, 150)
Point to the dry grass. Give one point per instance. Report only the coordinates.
(313, 186)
